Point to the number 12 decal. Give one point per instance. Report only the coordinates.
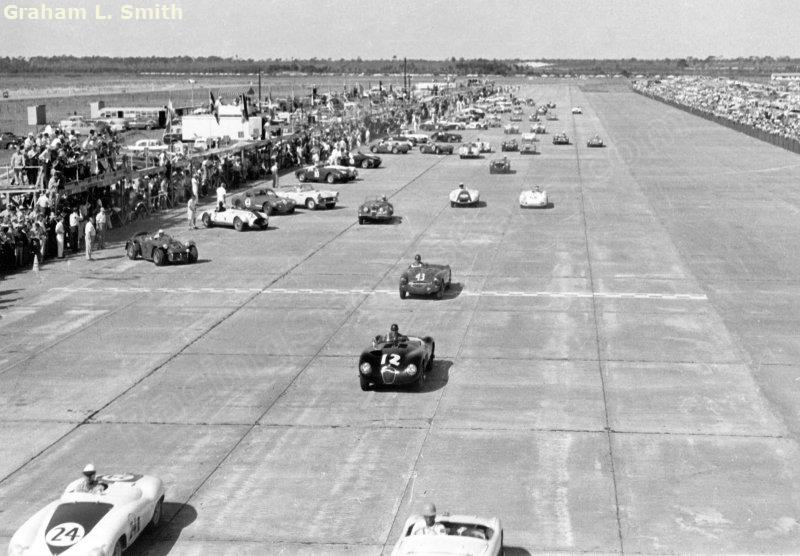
(392, 358)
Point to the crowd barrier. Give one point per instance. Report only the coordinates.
(779, 141)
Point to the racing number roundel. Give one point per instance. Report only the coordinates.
(65, 534)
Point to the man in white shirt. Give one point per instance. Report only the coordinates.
(221, 196)
(427, 525)
(89, 236)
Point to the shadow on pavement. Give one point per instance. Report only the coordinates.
(160, 542)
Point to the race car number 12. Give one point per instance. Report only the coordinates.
(392, 358)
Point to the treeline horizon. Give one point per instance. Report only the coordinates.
(755, 65)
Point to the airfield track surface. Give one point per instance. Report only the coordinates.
(616, 373)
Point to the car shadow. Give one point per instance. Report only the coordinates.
(161, 541)
(437, 378)
(453, 291)
(549, 205)
(393, 221)
(501, 173)
(479, 204)
(515, 551)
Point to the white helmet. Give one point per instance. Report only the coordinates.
(89, 469)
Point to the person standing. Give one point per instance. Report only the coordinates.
(60, 237)
(221, 196)
(102, 228)
(274, 170)
(192, 213)
(89, 236)
(73, 230)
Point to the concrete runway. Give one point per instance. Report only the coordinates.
(618, 373)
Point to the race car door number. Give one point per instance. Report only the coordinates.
(392, 358)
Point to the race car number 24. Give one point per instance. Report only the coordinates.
(65, 534)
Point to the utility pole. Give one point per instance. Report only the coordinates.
(405, 67)
(260, 98)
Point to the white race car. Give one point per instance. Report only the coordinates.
(577, 110)
(533, 198)
(308, 196)
(239, 218)
(463, 197)
(484, 146)
(469, 150)
(466, 534)
(93, 524)
(476, 125)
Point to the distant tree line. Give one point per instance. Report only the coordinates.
(214, 64)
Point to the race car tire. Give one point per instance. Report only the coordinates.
(301, 177)
(360, 220)
(403, 293)
(438, 150)
(461, 156)
(373, 149)
(452, 204)
(155, 520)
(365, 163)
(118, 548)
(440, 293)
(420, 382)
(193, 254)
(364, 382)
(311, 204)
(238, 225)
(207, 220)
(159, 257)
(330, 178)
(394, 150)
(133, 251)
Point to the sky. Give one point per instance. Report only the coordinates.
(430, 29)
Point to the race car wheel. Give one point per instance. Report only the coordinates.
(373, 149)
(265, 208)
(365, 163)
(156, 519)
(207, 220)
(364, 383)
(420, 382)
(438, 150)
(394, 150)
(330, 178)
(118, 548)
(360, 220)
(440, 293)
(159, 257)
(452, 204)
(403, 293)
(301, 177)
(311, 204)
(193, 254)
(238, 225)
(133, 251)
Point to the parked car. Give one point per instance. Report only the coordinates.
(394, 147)
(359, 159)
(264, 197)
(415, 138)
(161, 248)
(561, 139)
(446, 137)
(469, 150)
(116, 125)
(77, 124)
(511, 129)
(143, 123)
(595, 141)
(476, 125)
(237, 218)
(510, 145)
(8, 140)
(577, 110)
(308, 196)
(436, 148)
(326, 172)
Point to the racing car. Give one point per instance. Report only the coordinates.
(515, 118)
(469, 150)
(399, 361)
(528, 145)
(551, 104)
(538, 129)
(326, 172)
(358, 158)
(425, 279)
(511, 129)
(534, 198)
(160, 248)
(561, 138)
(494, 121)
(465, 534)
(595, 141)
(446, 137)
(265, 197)
(415, 138)
(102, 523)
(510, 145)
(394, 147)
(500, 166)
(375, 209)
(577, 110)
(534, 117)
(238, 218)
(436, 148)
(483, 146)
(308, 196)
(463, 197)
(552, 116)
(476, 125)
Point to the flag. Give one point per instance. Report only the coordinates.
(245, 115)
(214, 105)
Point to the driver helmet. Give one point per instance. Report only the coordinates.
(417, 259)
(429, 510)
(383, 198)
(160, 233)
(89, 470)
(394, 328)
(461, 185)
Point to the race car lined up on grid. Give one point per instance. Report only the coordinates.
(264, 197)
(415, 138)
(425, 279)
(327, 173)
(161, 248)
(446, 137)
(534, 198)
(511, 145)
(577, 110)
(391, 146)
(308, 196)
(534, 117)
(396, 359)
(561, 138)
(463, 197)
(500, 166)
(362, 160)
(515, 118)
(103, 518)
(237, 218)
(436, 148)
(476, 125)
(511, 129)
(596, 142)
(552, 116)
(375, 209)
(469, 150)
(538, 129)
(528, 144)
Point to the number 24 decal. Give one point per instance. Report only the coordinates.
(392, 358)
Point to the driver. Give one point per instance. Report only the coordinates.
(417, 259)
(461, 185)
(88, 483)
(427, 525)
(159, 234)
(394, 333)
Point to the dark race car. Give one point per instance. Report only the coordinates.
(511, 145)
(399, 361)
(436, 148)
(326, 173)
(375, 209)
(560, 139)
(595, 141)
(8, 140)
(425, 279)
(359, 159)
(446, 137)
(391, 146)
(160, 248)
(263, 197)
(500, 166)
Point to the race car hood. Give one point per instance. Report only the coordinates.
(444, 545)
(377, 206)
(70, 522)
(424, 274)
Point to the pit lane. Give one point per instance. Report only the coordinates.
(616, 373)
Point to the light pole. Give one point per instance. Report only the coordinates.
(192, 82)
